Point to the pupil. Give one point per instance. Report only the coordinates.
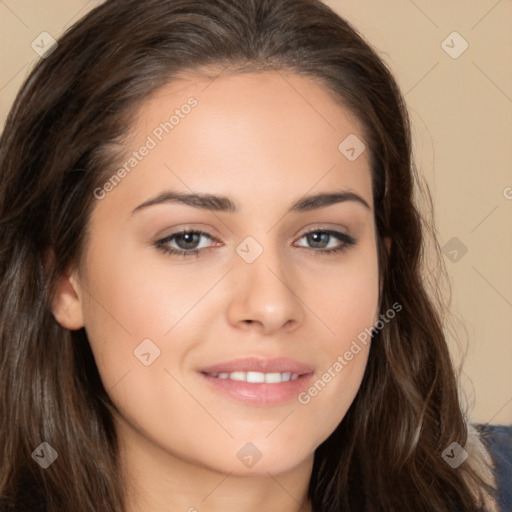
(316, 236)
(189, 239)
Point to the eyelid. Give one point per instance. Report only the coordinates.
(186, 227)
(344, 238)
(326, 230)
(200, 232)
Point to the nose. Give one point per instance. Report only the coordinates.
(265, 295)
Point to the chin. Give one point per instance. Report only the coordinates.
(262, 456)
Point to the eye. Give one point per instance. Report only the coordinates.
(186, 241)
(320, 238)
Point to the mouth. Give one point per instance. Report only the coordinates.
(259, 381)
(256, 377)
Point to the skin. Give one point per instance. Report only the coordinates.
(264, 140)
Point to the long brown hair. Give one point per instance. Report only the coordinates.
(63, 136)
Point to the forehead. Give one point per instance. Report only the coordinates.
(269, 96)
(265, 133)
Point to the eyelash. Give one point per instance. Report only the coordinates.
(347, 240)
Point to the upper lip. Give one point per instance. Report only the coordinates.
(259, 364)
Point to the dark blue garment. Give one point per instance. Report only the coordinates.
(498, 439)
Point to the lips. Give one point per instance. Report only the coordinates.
(259, 381)
(259, 365)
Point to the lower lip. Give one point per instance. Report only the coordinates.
(260, 393)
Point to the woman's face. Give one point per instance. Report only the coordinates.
(183, 343)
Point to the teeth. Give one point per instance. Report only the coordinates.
(257, 377)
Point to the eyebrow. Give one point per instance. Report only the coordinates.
(224, 204)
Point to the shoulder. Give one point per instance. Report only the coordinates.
(498, 440)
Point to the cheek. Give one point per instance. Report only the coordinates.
(132, 293)
(346, 296)
(134, 296)
(347, 304)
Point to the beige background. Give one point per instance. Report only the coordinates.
(461, 110)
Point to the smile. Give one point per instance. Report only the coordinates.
(256, 377)
(262, 381)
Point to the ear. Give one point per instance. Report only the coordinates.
(67, 302)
